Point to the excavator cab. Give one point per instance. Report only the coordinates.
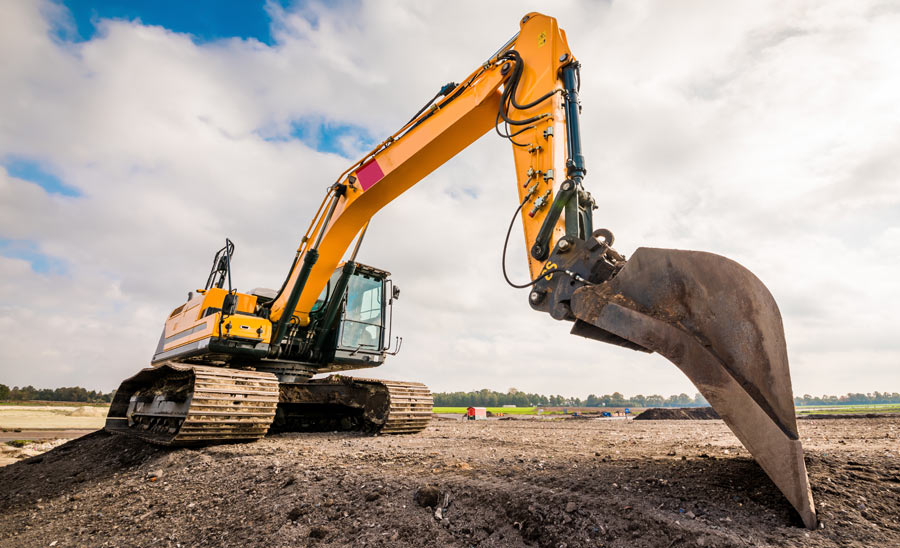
(362, 335)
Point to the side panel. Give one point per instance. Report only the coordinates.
(191, 322)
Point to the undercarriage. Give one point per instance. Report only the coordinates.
(180, 405)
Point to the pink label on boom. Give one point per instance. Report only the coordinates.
(368, 174)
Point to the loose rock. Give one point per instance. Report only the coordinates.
(427, 496)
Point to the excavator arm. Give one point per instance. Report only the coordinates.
(530, 71)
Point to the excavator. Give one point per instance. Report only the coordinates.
(233, 366)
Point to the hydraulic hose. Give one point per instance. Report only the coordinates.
(503, 259)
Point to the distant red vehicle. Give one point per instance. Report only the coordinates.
(476, 413)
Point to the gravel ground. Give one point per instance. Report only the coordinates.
(486, 483)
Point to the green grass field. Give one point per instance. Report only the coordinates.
(848, 409)
(504, 410)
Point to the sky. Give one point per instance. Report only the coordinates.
(136, 136)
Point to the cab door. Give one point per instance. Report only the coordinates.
(361, 333)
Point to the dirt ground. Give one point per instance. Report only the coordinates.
(486, 483)
(31, 417)
(7, 435)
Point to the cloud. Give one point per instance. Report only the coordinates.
(764, 132)
(41, 263)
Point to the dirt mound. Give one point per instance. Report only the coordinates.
(486, 483)
(88, 411)
(677, 414)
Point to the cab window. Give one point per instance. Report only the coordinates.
(363, 322)
(326, 293)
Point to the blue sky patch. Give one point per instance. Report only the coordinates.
(347, 140)
(27, 250)
(204, 20)
(342, 139)
(34, 172)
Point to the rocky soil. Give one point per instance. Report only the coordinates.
(16, 449)
(486, 483)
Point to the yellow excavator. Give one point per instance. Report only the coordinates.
(232, 365)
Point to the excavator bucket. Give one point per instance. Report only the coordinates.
(719, 324)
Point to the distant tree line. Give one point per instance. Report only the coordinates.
(490, 398)
(69, 393)
(485, 398)
(849, 399)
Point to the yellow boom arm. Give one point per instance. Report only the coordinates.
(436, 135)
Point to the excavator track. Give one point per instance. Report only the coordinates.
(186, 405)
(339, 402)
(410, 408)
